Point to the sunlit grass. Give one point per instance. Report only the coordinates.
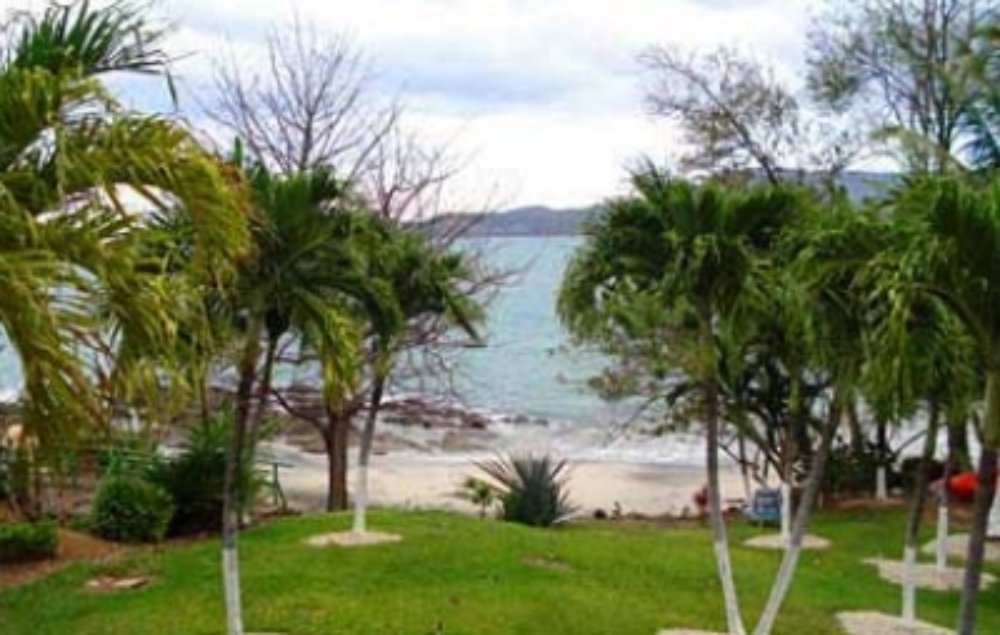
(458, 575)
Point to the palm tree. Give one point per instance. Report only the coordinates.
(821, 253)
(303, 279)
(426, 284)
(690, 256)
(953, 256)
(76, 172)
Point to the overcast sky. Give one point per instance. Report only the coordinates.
(543, 97)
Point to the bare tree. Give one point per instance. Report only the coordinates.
(903, 65)
(315, 103)
(311, 105)
(738, 117)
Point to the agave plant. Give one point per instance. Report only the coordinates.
(532, 490)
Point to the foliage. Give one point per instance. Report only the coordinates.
(129, 509)
(851, 470)
(479, 492)
(903, 63)
(531, 490)
(69, 152)
(194, 478)
(23, 542)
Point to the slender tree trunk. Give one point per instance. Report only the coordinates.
(364, 454)
(916, 515)
(202, 379)
(719, 539)
(331, 474)
(745, 467)
(958, 447)
(984, 500)
(944, 502)
(857, 434)
(231, 486)
(790, 560)
(264, 388)
(881, 485)
(335, 442)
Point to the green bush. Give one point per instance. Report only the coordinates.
(130, 509)
(532, 491)
(24, 542)
(195, 477)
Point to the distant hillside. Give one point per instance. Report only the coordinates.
(527, 221)
(538, 220)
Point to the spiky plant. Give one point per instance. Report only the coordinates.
(532, 490)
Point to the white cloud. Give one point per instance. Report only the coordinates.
(546, 93)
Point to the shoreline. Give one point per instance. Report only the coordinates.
(413, 481)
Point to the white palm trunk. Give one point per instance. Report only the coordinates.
(786, 513)
(881, 490)
(364, 456)
(720, 541)
(941, 545)
(231, 584)
(994, 527)
(909, 586)
(361, 498)
(790, 560)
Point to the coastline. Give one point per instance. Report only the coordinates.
(424, 481)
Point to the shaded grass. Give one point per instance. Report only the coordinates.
(457, 575)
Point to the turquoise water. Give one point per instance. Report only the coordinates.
(524, 369)
(527, 366)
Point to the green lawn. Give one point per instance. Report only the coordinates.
(457, 575)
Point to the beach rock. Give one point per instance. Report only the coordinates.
(455, 441)
(475, 421)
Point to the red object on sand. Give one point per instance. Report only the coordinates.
(963, 486)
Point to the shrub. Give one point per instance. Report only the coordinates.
(25, 542)
(478, 492)
(532, 491)
(130, 509)
(195, 477)
(851, 471)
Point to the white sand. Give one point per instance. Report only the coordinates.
(957, 546)
(774, 541)
(926, 576)
(431, 481)
(872, 623)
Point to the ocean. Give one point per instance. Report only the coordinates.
(527, 379)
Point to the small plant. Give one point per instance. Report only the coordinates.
(130, 509)
(531, 490)
(478, 492)
(194, 478)
(26, 542)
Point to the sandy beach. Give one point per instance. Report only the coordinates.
(430, 482)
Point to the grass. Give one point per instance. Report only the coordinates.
(455, 575)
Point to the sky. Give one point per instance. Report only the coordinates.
(540, 100)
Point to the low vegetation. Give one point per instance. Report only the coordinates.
(130, 509)
(531, 490)
(25, 542)
(460, 575)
